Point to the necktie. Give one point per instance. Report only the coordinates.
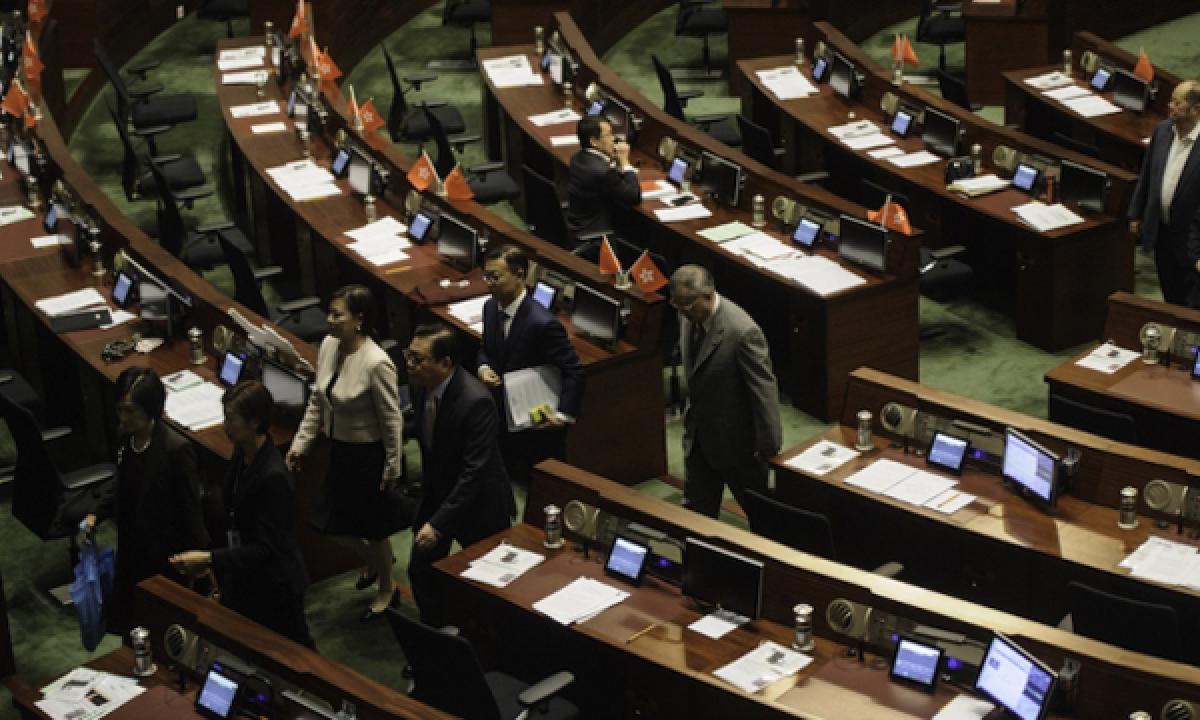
(504, 324)
(695, 341)
(428, 422)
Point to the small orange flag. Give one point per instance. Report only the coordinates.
(30, 61)
(422, 174)
(327, 69)
(30, 119)
(892, 216)
(457, 187)
(36, 10)
(897, 49)
(909, 55)
(646, 275)
(1143, 68)
(299, 20)
(608, 262)
(371, 119)
(15, 102)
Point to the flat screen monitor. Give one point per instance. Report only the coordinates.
(122, 292)
(457, 243)
(419, 227)
(806, 232)
(361, 174)
(289, 390)
(619, 117)
(916, 663)
(1100, 79)
(1016, 680)
(596, 316)
(217, 698)
(231, 368)
(940, 132)
(595, 108)
(820, 69)
(714, 576)
(1129, 90)
(678, 172)
(340, 162)
(1031, 467)
(50, 222)
(902, 123)
(545, 294)
(160, 308)
(627, 559)
(1025, 178)
(1082, 186)
(842, 77)
(555, 68)
(947, 452)
(722, 178)
(863, 243)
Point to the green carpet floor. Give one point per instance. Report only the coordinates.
(978, 357)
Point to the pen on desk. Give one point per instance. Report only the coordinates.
(947, 501)
(640, 633)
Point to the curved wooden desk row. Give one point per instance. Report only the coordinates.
(1162, 400)
(1054, 282)
(667, 672)
(999, 549)
(623, 391)
(814, 340)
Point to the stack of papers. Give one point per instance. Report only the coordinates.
(242, 58)
(819, 274)
(914, 159)
(726, 232)
(503, 564)
(382, 242)
(965, 707)
(759, 248)
(861, 135)
(979, 185)
(244, 77)
(530, 388)
(787, 82)
(1107, 358)
(1050, 80)
(1163, 561)
(718, 624)
(564, 140)
(822, 458)
(762, 666)
(304, 180)
(470, 311)
(14, 213)
(511, 71)
(652, 189)
(86, 694)
(580, 601)
(1091, 106)
(911, 485)
(266, 107)
(75, 301)
(692, 211)
(1044, 218)
(555, 117)
(1067, 92)
(196, 407)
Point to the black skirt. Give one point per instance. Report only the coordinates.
(352, 504)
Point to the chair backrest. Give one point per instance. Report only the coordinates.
(245, 286)
(542, 209)
(1132, 624)
(172, 231)
(399, 108)
(1058, 138)
(671, 103)
(131, 171)
(446, 159)
(757, 142)
(446, 673)
(873, 195)
(953, 89)
(114, 77)
(37, 487)
(795, 527)
(1089, 418)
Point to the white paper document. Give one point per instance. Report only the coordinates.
(384, 227)
(244, 77)
(694, 211)
(581, 599)
(241, 58)
(979, 185)
(196, 407)
(511, 71)
(1067, 92)
(880, 475)
(74, 301)
(817, 273)
(714, 625)
(724, 233)
(469, 311)
(268, 128)
(787, 82)
(1050, 80)
(1044, 218)
(965, 707)
(555, 117)
(822, 458)
(914, 159)
(759, 247)
(564, 140)
(527, 389)
(502, 564)
(1092, 106)
(304, 180)
(14, 213)
(46, 241)
(762, 666)
(864, 142)
(885, 152)
(266, 107)
(86, 694)
(382, 250)
(1165, 561)
(920, 487)
(1107, 358)
(858, 128)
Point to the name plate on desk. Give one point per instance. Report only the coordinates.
(84, 320)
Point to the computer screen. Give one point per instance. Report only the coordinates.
(596, 316)
(555, 68)
(806, 232)
(1025, 178)
(1196, 366)
(1016, 680)
(51, 220)
(1082, 186)
(338, 166)
(864, 243)
(160, 307)
(231, 368)
(289, 390)
(722, 178)
(122, 284)
(715, 576)
(360, 173)
(901, 123)
(940, 132)
(545, 294)
(595, 108)
(419, 226)
(217, 696)
(1129, 90)
(457, 243)
(618, 115)
(820, 67)
(947, 452)
(1100, 79)
(627, 559)
(678, 172)
(1029, 465)
(842, 77)
(916, 662)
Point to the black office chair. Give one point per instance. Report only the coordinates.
(1117, 426)
(468, 14)
(198, 248)
(1059, 138)
(447, 676)
(182, 172)
(488, 181)
(1135, 625)
(142, 106)
(941, 23)
(954, 89)
(758, 144)
(408, 124)
(544, 211)
(674, 101)
(697, 18)
(303, 317)
(17, 389)
(797, 528)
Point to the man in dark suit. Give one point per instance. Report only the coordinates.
(1167, 197)
(731, 424)
(519, 333)
(600, 179)
(467, 494)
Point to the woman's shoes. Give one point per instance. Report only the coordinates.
(370, 613)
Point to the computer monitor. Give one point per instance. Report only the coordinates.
(620, 118)
(341, 163)
(1082, 186)
(361, 173)
(50, 222)
(289, 390)
(545, 294)
(722, 178)
(1025, 178)
(678, 171)
(806, 233)
(940, 132)
(457, 243)
(161, 308)
(596, 316)
(902, 122)
(820, 69)
(714, 576)
(1129, 90)
(863, 243)
(843, 77)
(1030, 467)
(419, 227)
(1016, 680)
(1100, 79)
(232, 366)
(122, 292)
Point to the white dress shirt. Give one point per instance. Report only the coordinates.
(1181, 148)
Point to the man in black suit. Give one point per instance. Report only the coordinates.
(600, 179)
(467, 495)
(519, 333)
(1167, 197)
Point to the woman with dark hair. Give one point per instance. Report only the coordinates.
(357, 403)
(155, 500)
(261, 571)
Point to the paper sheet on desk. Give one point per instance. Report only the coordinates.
(86, 694)
(713, 625)
(920, 487)
(965, 707)
(786, 83)
(880, 475)
(268, 128)
(240, 58)
(1049, 80)
(511, 71)
(266, 107)
(555, 117)
(1165, 561)
(856, 128)
(581, 599)
(865, 142)
(14, 213)
(914, 159)
(1044, 218)
(979, 185)
(196, 407)
(822, 458)
(759, 247)
(694, 211)
(950, 501)
(70, 302)
(304, 180)
(1067, 92)
(1092, 106)
(502, 564)
(469, 311)
(1107, 358)
(817, 273)
(886, 152)
(244, 77)
(46, 241)
(762, 666)
(726, 232)
(384, 227)
(530, 388)
(564, 140)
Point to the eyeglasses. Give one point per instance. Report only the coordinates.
(412, 357)
(491, 277)
(682, 306)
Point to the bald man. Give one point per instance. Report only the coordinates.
(1167, 197)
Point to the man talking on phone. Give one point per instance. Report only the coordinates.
(601, 179)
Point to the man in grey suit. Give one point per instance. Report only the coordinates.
(731, 425)
(1167, 196)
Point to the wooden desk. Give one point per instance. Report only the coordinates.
(999, 550)
(1163, 400)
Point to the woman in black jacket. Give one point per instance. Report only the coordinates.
(261, 570)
